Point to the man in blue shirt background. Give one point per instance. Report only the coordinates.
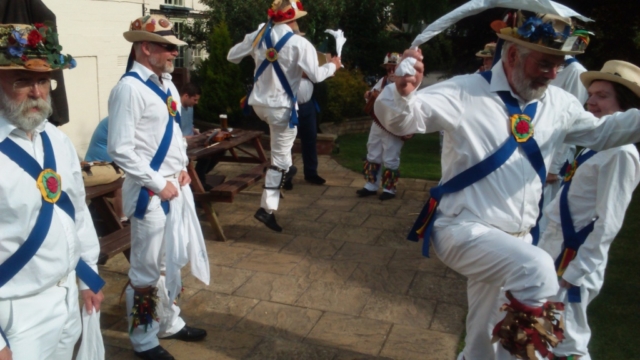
(189, 97)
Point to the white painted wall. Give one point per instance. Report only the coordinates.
(91, 31)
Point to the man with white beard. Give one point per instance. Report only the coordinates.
(145, 140)
(484, 213)
(46, 233)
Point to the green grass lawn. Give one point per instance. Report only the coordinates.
(420, 158)
(614, 315)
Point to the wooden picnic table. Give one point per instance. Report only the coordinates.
(225, 192)
(116, 237)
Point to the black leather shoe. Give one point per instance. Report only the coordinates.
(188, 333)
(157, 353)
(288, 178)
(268, 219)
(386, 196)
(364, 192)
(317, 180)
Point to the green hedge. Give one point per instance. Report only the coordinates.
(341, 96)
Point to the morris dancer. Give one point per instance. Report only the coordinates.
(484, 213)
(383, 147)
(281, 57)
(146, 142)
(46, 233)
(487, 54)
(588, 213)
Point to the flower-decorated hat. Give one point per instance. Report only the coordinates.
(620, 72)
(153, 28)
(391, 59)
(284, 11)
(547, 34)
(32, 47)
(488, 52)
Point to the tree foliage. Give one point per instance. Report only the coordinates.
(220, 80)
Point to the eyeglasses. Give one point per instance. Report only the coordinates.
(547, 67)
(24, 86)
(168, 47)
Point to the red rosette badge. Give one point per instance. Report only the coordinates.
(271, 54)
(521, 127)
(570, 171)
(172, 106)
(50, 185)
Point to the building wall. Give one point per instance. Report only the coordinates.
(91, 31)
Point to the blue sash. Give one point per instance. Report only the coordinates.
(424, 224)
(163, 148)
(570, 61)
(273, 60)
(21, 257)
(572, 239)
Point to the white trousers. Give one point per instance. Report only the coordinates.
(577, 332)
(46, 325)
(493, 262)
(147, 264)
(382, 148)
(282, 138)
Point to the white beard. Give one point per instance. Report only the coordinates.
(20, 114)
(166, 67)
(523, 85)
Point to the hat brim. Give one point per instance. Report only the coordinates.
(481, 55)
(33, 69)
(536, 47)
(140, 35)
(299, 14)
(589, 77)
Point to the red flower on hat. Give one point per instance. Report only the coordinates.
(34, 38)
(522, 127)
(150, 27)
(38, 25)
(24, 58)
(279, 16)
(299, 5)
(52, 184)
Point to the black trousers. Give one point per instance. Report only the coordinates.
(308, 133)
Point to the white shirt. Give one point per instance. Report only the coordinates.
(296, 57)
(305, 92)
(67, 241)
(137, 122)
(475, 122)
(601, 188)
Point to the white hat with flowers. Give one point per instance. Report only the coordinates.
(32, 47)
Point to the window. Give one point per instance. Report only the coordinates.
(178, 28)
(174, 2)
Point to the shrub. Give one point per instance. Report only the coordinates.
(342, 96)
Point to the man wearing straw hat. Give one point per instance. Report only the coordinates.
(145, 140)
(487, 55)
(46, 233)
(588, 213)
(281, 57)
(383, 147)
(484, 212)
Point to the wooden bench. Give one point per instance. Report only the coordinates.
(226, 191)
(115, 243)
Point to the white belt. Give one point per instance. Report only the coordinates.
(173, 176)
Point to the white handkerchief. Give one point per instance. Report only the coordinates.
(340, 39)
(405, 68)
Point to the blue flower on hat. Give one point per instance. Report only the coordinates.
(15, 51)
(73, 63)
(61, 59)
(529, 26)
(544, 31)
(19, 39)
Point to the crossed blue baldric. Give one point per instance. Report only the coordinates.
(293, 122)
(29, 248)
(482, 169)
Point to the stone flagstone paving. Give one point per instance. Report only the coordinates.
(340, 283)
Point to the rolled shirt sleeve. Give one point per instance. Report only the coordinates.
(609, 131)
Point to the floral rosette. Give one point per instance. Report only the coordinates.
(50, 185)
(33, 47)
(521, 127)
(271, 54)
(172, 106)
(570, 170)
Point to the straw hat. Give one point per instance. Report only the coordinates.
(152, 28)
(621, 72)
(33, 48)
(284, 11)
(488, 52)
(391, 59)
(549, 34)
